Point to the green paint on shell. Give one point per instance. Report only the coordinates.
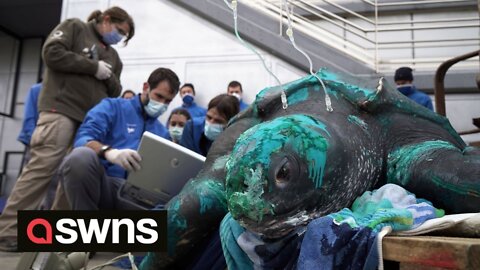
(250, 160)
(401, 161)
(298, 96)
(353, 90)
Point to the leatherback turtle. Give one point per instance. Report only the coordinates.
(275, 168)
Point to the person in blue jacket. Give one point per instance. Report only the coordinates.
(106, 141)
(30, 118)
(187, 93)
(200, 132)
(235, 89)
(404, 81)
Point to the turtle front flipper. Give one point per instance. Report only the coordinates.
(441, 172)
(193, 216)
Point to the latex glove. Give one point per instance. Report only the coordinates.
(126, 158)
(103, 70)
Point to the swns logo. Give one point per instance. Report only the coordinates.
(117, 231)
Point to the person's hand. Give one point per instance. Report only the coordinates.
(126, 158)
(103, 70)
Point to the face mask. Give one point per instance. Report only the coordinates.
(405, 89)
(238, 96)
(212, 130)
(154, 108)
(112, 37)
(188, 99)
(176, 133)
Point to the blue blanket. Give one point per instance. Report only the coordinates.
(342, 240)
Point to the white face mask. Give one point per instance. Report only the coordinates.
(213, 130)
(237, 95)
(176, 133)
(154, 108)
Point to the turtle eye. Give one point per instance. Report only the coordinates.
(284, 172)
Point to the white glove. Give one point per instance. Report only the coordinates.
(126, 158)
(103, 70)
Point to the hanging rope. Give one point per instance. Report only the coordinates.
(233, 7)
(289, 32)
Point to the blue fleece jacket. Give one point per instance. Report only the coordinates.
(120, 123)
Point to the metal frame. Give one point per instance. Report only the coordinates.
(439, 89)
(309, 12)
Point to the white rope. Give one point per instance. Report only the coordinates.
(233, 7)
(385, 230)
(116, 259)
(289, 32)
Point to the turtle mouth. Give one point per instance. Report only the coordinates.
(276, 226)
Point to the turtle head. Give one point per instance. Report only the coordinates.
(273, 174)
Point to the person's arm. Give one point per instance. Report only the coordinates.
(30, 116)
(428, 103)
(113, 83)
(96, 125)
(57, 51)
(95, 128)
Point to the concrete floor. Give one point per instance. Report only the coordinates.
(9, 260)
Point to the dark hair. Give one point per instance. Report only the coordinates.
(403, 74)
(227, 106)
(189, 85)
(180, 111)
(235, 84)
(117, 15)
(161, 74)
(128, 91)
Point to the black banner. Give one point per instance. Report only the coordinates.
(110, 231)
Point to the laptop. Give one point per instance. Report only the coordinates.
(166, 168)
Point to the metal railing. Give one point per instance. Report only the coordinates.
(382, 37)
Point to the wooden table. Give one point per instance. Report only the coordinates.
(432, 252)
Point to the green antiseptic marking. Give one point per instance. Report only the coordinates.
(355, 120)
(211, 194)
(298, 96)
(250, 202)
(176, 222)
(249, 162)
(353, 89)
(334, 83)
(402, 160)
(175, 219)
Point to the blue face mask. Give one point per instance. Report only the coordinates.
(154, 108)
(188, 99)
(212, 130)
(406, 89)
(112, 37)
